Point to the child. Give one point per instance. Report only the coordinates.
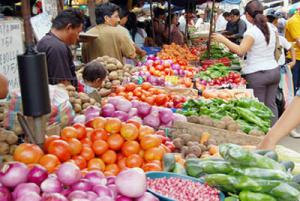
(93, 75)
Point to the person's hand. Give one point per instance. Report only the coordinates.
(143, 53)
(291, 64)
(218, 37)
(266, 144)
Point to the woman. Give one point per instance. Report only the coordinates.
(261, 71)
(176, 36)
(159, 25)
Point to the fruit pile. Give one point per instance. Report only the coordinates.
(176, 52)
(105, 144)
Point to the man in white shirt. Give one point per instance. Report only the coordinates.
(222, 21)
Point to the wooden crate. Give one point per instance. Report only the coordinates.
(220, 135)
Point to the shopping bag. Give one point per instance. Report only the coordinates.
(286, 84)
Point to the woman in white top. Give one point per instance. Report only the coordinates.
(261, 71)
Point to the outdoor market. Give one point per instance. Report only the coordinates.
(155, 100)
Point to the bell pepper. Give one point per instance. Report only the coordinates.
(231, 198)
(285, 192)
(250, 196)
(263, 173)
(223, 182)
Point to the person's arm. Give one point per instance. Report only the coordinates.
(241, 49)
(127, 47)
(289, 120)
(3, 86)
(139, 51)
(293, 57)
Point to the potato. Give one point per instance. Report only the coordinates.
(12, 138)
(106, 58)
(18, 129)
(78, 101)
(72, 100)
(70, 88)
(113, 75)
(85, 105)
(2, 135)
(92, 101)
(108, 85)
(8, 158)
(72, 93)
(77, 108)
(12, 149)
(119, 65)
(4, 148)
(84, 97)
(104, 92)
(111, 67)
(112, 61)
(116, 83)
(97, 104)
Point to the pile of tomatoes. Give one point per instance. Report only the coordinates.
(175, 52)
(105, 144)
(149, 94)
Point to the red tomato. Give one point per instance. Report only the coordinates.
(81, 130)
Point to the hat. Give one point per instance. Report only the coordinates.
(273, 13)
(292, 11)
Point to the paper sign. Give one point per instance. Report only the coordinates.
(41, 24)
(11, 45)
(50, 7)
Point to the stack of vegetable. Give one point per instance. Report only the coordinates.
(105, 144)
(80, 101)
(208, 62)
(149, 94)
(8, 144)
(249, 175)
(177, 52)
(155, 117)
(248, 113)
(219, 75)
(226, 94)
(20, 183)
(2, 110)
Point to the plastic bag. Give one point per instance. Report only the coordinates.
(286, 84)
(61, 109)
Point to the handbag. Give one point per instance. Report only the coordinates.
(278, 48)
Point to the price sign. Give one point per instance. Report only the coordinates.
(11, 44)
(41, 25)
(50, 7)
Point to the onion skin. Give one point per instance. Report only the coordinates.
(51, 185)
(68, 173)
(13, 174)
(29, 196)
(5, 195)
(53, 197)
(147, 197)
(37, 174)
(24, 188)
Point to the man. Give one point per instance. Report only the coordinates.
(110, 40)
(3, 86)
(236, 27)
(222, 21)
(64, 32)
(183, 18)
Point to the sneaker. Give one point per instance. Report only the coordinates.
(295, 133)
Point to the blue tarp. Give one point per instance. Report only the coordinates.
(232, 1)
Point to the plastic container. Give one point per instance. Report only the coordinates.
(155, 175)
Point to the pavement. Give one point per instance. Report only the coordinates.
(292, 143)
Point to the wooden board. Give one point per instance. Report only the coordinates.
(220, 135)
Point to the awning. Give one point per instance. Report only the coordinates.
(232, 1)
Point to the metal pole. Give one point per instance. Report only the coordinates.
(210, 28)
(170, 20)
(187, 19)
(152, 20)
(92, 6)
(27, 24)
(60, 5)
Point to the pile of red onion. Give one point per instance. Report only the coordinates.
(19, 183)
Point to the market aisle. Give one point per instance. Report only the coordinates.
(292, 143)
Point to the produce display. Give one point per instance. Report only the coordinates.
(149, 94)
(8, 144)
(247, 175)
(155, 117)
(176, 52)
(248, 113)
(226, 94)
(21, 183)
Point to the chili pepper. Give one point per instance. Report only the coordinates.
(250, 196)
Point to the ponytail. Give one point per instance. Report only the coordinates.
(255, 9)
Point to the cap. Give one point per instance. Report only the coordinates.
(292, 11)
(273, 13)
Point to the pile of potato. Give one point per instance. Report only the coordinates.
(8, 144)
(117, 73)
(80, 101)
(192, 147)
(2, 109)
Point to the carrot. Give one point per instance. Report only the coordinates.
(204, 137)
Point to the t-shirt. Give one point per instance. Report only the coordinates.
(237, 29)
(111, 41)
(221, 23)
(285, 46)
(139, 38)
(182, 23)
(59, 59)
(292, 32)
(261, 55)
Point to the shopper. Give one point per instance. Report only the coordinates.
(64, 32)
(292, 34)
(3, 86)
(93, 75)
(261, 71)
(176, 36)
(222, 21)
(159, 25)
(110, 41)
(236, 27)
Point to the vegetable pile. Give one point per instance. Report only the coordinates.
(248, 113)
(20, 183)
(177, 53)
(8, 144)
(226, 94)
(155, 117)
(105, 144)
(149, 94)
(182, 189)
(252, 176)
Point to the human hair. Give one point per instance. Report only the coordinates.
(69, 16)
(235, 12)
(124, 12)
(105, 9)
(271, 19)
(167, 20)
(131, 24)
(94, 70)
(158, 12)
(226, 14)
(255, 9)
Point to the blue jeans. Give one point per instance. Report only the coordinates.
(296, 76)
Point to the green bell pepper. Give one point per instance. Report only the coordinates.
(250, 196)
(223, 182)
(264, 173)
(285, 192)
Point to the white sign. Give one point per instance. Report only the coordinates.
(50, 7)
(41, 24)
(11, 44)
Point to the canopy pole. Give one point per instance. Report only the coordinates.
(187, 20)
(170, 20)
(27, 25)
(152, 20)
(210, 29)
(92, 7)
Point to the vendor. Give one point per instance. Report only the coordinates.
(236, 27)
(64, 32)
(261, 70)
(109, 41)
(3, 86)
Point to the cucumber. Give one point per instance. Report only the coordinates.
(272, 154)
(289, 165)
(169, 162)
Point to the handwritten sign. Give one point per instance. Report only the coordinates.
(41, 24)
(11, 44)
(50, 7)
